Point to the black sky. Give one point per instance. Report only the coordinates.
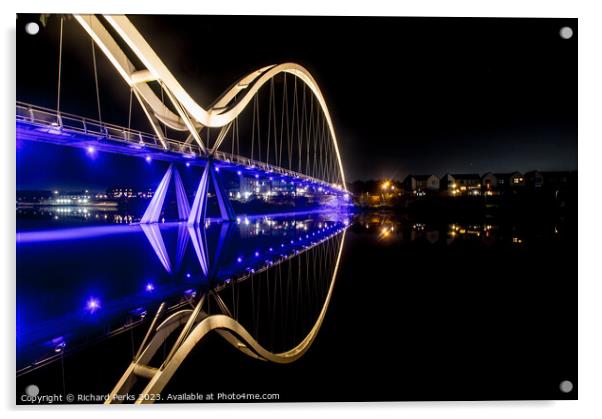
(407, 95)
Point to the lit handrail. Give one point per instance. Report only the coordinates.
(50, 118)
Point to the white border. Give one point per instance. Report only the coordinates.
(590, 138)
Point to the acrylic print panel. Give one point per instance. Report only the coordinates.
(286, 208)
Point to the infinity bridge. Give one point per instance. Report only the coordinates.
(271, 125)
(280, 107)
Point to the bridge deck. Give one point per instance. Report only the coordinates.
(36, 123)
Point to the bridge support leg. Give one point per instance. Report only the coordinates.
(225, 206)
(199, 206)
(181, 198)
(152, 213)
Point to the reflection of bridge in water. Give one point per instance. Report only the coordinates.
(270, 127)
(271, 276)
(244, 305)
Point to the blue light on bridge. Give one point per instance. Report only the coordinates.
(93, 305)
(190, 293)
(58, 344)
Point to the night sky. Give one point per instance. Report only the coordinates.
(407, 95)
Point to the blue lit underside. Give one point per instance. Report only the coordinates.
(94, 144)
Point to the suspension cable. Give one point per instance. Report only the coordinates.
(289, 144)
(96, 80)
(130, 111)
(253, 127)
(304, 125)
(58, 94)
(293, 120)
(258, 129)
(267, 155)
(232, 138)
(275, 127)
(164, 114)
(310, 164)
(284, 98)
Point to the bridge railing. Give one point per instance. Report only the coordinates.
(269, 168)
(69, 123)
(51, 119)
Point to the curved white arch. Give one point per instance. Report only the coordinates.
(255, 81)
(191, 114)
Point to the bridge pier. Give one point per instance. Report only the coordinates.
(199, 206)
(196, 214)
(153, 211)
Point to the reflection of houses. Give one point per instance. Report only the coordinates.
(420, 231)
(461, 184)
(420, 185)
(463, 231)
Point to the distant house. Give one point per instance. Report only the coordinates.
(560, 184)
(508, 181)
(122, 192)
(534, 179)
(461, 184)
(489, 184)
(557, 179)
(421, 184)
(516, 179)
